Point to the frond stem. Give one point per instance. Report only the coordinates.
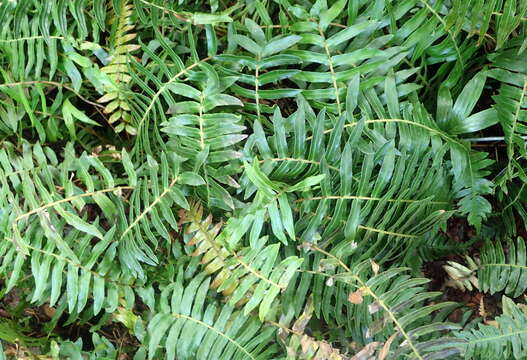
(350, 197)
(151, 206)
(71, 198)
(370, 292)
(165, 86)
(213, 329)
(256, 273)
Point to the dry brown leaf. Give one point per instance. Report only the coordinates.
(327, 352)
(356, 297)
(305, 343)
(375, 267)
(386, 348)
(48, 310)
(482, 311)
(374, 307)
(492, 323)
(367, 351)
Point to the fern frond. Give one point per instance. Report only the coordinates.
(505, 340)
(206, 135)
(190, 325)
(391, 303)
(54, 230)
(158, 192)
(266, 54)
(504, 271)
(493, 21)
(118, 98)
(374, 199)
(511, 105)
(250, 276)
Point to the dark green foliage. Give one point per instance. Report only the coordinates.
(504, 273)
(260, 179)
(504, 341)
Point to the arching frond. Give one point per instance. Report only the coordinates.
(189, 325)
(382, 305)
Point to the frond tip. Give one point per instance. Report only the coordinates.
(117, 98)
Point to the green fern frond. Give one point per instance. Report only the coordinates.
(328, 203)
(382, 304)
(504, 271)
(505, 340)
(265, 54)
(206, 130)
(190, 325)
(493, 21)
(511, 104)
(158, 190)
(118, 98)
(46, 234)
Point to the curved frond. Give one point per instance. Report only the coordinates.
(189, 325)
(386, 304)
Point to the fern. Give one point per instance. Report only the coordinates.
(492, 21)
(289, 171)
(204, 136)
(500, 272)
(265, 54)
(59, 239)
(251, 276)
(504, 341)
(510, 105)
(191, 327)
(390, 303)
(117, 97)
(158, 187)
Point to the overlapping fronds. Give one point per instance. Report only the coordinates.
(386, 306)
(50, 231)
(511, 106)
(504, 340)
(249, 276)
(190, 325)
(262, 179)
(158, 188)
(491, 21)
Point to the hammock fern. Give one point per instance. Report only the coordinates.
(50, 234)
(262, 179)
(499, 272)
(251, 276)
